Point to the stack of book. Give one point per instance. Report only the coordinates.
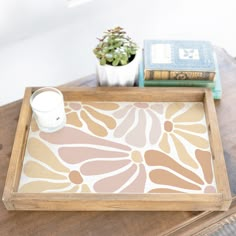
(180, 63)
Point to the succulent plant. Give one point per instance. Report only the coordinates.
(115, 48)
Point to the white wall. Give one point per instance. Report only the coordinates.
(45, 43)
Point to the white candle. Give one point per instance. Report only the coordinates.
(48, 108)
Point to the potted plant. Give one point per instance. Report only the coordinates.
(117, 58)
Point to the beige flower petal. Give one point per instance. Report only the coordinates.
(173, 108)
(138, 185)
(183, 154)
(112, 183)
(73, 119)
(106, 106)
(164, 144)
(196, 128)
(35, 170)
(41, 152)
(193, 139)
(107, 120)
(193, 114)
(121, 113)
(41, 186)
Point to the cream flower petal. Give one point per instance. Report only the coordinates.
(72, 190)
(164, 144)
(193, 139)
(35, 170)
(173, 108)
(183, 154)
(41, 186)
(41, 152)
(196, 128)
(193, 114)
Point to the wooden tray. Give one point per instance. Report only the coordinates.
(121, 149)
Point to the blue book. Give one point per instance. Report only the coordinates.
(178, 59)
(216, 90)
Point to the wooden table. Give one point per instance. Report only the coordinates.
(124, 223)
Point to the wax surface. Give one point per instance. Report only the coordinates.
(46, 101)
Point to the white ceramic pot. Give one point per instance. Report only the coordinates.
(118, 75)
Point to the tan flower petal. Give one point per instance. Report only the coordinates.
(173, 108)
(93, 126)
(193, 139)
(41, 152)
(156, 158)
(183, 154)
(33, 125)
(138, 185)
(196, 128)
(41, 186)
(204, 159)
(73, 119)
(107, 120)
(165, 177)
(164, 144)
(113, 183)
(75, 177)
(35, 170)
(85, 189)
(106, 106)
(193, 114)
(67, 110)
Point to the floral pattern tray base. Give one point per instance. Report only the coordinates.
(122, 147)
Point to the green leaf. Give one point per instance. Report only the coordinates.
(115, 62)
(103, 61)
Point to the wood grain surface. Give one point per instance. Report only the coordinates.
(122, 223)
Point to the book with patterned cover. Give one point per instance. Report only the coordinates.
(215, 86)
(179, 60)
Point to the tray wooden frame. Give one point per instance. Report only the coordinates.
(219, 201)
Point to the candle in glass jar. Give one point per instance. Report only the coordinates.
(48, 108)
